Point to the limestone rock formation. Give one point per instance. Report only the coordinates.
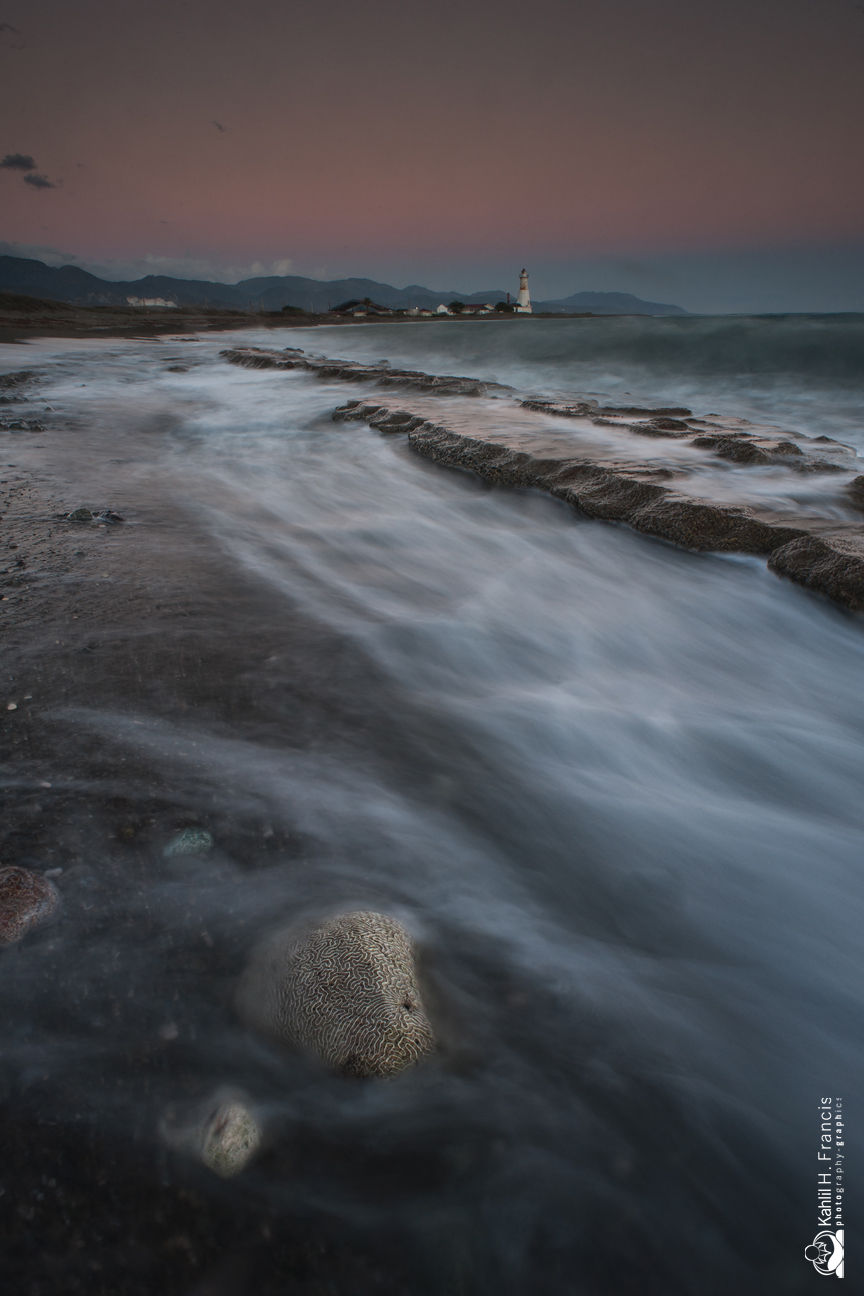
(383, 375)
(345, 990)
(833, 565)
(26, 901)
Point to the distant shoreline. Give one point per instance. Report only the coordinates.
(57, 319)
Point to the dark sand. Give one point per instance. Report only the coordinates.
(139, 619)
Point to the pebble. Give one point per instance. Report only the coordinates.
(231, 1140)
(26, 901)
(223, 1134)
(192, 841)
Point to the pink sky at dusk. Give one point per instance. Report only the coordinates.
(409, 141)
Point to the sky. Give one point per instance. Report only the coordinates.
(706, 153)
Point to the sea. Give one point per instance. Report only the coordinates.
(612, 787)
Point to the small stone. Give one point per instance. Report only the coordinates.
(11, 706)
(81, 515)
(192, 841)
(222, 1134)
(231, 1140)
(26, 901)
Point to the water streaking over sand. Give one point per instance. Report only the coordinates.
(612, 787)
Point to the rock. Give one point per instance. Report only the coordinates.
(664, 411)
(738, 449)
(191, 841)
(223, 1134)
(26, 901)
(561, 409)
(613, 494)
(345, 990)
(383, 375)
(856, 490)
(80, 515)
(17, 379)
(669, 425)
(231, 1139)
(832, 565)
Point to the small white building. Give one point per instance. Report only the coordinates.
(150, 301)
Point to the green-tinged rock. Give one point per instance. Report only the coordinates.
(81, 515)
(192, 841)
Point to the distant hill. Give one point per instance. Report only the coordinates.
(69, 283)
(609, 303)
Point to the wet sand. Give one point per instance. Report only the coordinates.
(134, 620)
(161, 682)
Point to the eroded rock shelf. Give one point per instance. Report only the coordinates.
(822, 550)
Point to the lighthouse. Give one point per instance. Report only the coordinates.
(523, 302)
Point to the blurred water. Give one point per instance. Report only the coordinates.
(613, 787)
(805, 372)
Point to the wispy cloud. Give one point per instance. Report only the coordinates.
(7, 30)
(18, 162)
(223, 130)
(37, 252)
(186, 267)
(39, 181)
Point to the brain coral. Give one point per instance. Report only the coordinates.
(345, 990)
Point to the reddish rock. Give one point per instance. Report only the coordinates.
(833, 565)
(26, 901)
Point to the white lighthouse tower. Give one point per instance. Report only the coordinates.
(523, 301)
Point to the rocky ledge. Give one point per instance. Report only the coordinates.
(822, 554)
(728, 438)
(831, 564)
(383, 375)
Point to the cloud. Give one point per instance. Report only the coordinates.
(223, 130)
(183, 267)
(37, 252)
(18, 162)
(39, 181)
(13, 31)
(188, 267)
